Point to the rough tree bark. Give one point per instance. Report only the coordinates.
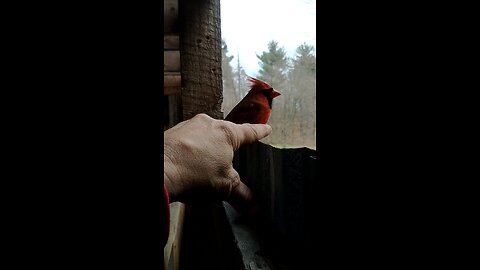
(201, 57)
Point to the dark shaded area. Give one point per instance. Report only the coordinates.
(217, 237)
(208, 242)
(282, 180)
(165, 111)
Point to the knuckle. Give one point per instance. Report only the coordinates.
(203, 116)
(227, 131)
(235, 177)
(187, 145)
(254, 131)
(233, 182)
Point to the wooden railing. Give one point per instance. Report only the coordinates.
(282, 180)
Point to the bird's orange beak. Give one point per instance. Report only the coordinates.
(274, 93)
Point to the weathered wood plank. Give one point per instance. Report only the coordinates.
(171, 61)
(249, 242)
(171, 42)
(170, 16)
(282, 180)
(175, 111)
(172, 79)
(172, 248)
(170, 90)
(166, 108)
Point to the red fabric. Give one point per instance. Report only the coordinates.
(166, 226)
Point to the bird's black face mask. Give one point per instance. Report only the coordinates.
(267, 94)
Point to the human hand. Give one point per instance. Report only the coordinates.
(198, 156)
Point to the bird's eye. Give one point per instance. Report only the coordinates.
(268, 91)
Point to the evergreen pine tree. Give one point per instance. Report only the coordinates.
(273, 65)
(273, 70)
(302, 81)
(230, 98)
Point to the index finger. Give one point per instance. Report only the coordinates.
(249, 133)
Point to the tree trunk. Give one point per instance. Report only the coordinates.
(201, 58)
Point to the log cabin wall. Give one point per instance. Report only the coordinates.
(172, 115)
(192, 85)
(172, 65)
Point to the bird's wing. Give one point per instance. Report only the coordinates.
(248, 112)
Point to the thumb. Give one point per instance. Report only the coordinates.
(242, 134)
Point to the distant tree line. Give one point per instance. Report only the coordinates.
(293, 116)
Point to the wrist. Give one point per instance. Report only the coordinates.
(170, 178)
(169, 188)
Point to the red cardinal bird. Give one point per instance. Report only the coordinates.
(256, 106)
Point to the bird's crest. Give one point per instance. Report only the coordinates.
(257, 85)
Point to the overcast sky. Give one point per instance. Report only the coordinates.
(248, 26)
